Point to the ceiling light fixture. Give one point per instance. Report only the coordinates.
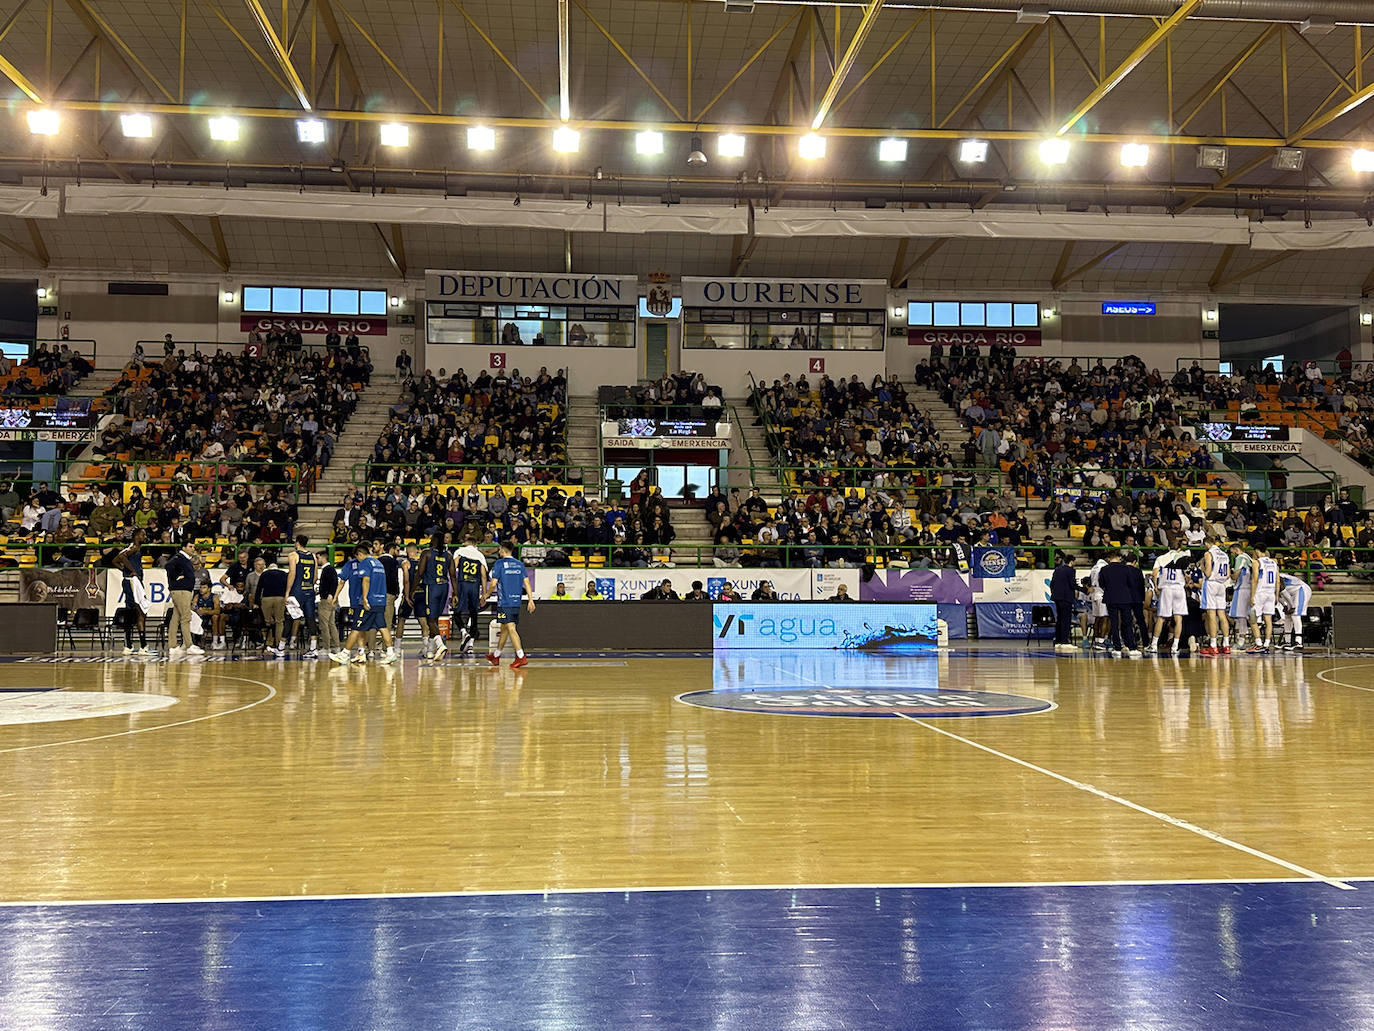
(973, 152)
(892, 149)
(648, 142)
(1213, 157)
(136, 126)
(1054, 151)
(394, 134)
(481, 137)
(1135, 155)
(1362, 160)
(224, 129)
(696, 156)
(811, 147)
(44, 122)
(565, 140)
(310, 130)
(1289, 159)
(730, 145)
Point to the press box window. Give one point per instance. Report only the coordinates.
(972, 314)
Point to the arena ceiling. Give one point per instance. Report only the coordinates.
(1251, 76)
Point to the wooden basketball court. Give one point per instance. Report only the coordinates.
(273, 781)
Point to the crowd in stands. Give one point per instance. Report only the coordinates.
(47, 370)
(229, 407)
(504, 428)
(686, 393)
(549, 526)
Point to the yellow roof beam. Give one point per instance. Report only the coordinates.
(870, 16)
(1143, 50)
(280, 52)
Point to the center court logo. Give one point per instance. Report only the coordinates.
(836, 701)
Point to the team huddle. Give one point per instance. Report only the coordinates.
(424, 582)
(1213, 597)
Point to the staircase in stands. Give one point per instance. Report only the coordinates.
(353, 448)
(584, 442)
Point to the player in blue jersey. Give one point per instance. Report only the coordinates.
(510, 581)
(367, 586)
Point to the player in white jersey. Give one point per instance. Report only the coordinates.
(1173, 598)
(1264, 586)
(1099, 605)
(1216, 577)
(1294, 594)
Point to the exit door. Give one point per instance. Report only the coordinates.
(655, 350)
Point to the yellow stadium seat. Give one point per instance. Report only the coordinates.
(1077, 531)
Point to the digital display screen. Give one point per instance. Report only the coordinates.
(666, 428)
(822, 627)
(1230, 432)
(1128, 307)
(69, 413)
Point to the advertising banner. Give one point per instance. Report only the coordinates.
(822, 626)
(825, 583)
(946, 586)
(671, 443)
(994, 563)
(1009, 619)
(1028, 585)
(69, 588)
(631, 584)
(1245, 438)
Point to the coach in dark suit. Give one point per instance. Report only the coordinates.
(1063, 592)
(1115, 581)
(1137, 581)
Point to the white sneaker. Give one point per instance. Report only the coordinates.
(1134, 653)
(128, 651)
(1116, 653)
(145, 651)
(176, 653)
(389, 657)
(340, 656)
(195, 650)
(439, 648)
(311, 654)
(360, 658)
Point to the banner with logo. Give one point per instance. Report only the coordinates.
(994, 563)
(1025, 585)
(70, 588)
(1009, 619)
(631, 584)
(824, 626)
(825, 583)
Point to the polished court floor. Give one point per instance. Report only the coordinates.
(647, 841)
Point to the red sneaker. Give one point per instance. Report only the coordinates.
(1210, 651)
(520, 661)
(1226, 650)
(491, 657)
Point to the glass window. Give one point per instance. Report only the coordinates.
(257, 298)
(999, 314)
(343, 302)
(286, 300)
(371, 302)
(315, 300)
(1026, 315)
(946, 313)
(1274, 362)
(972, 315)
(918, 313)
(1224, 368)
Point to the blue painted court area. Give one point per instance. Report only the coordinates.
(1182, 956)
